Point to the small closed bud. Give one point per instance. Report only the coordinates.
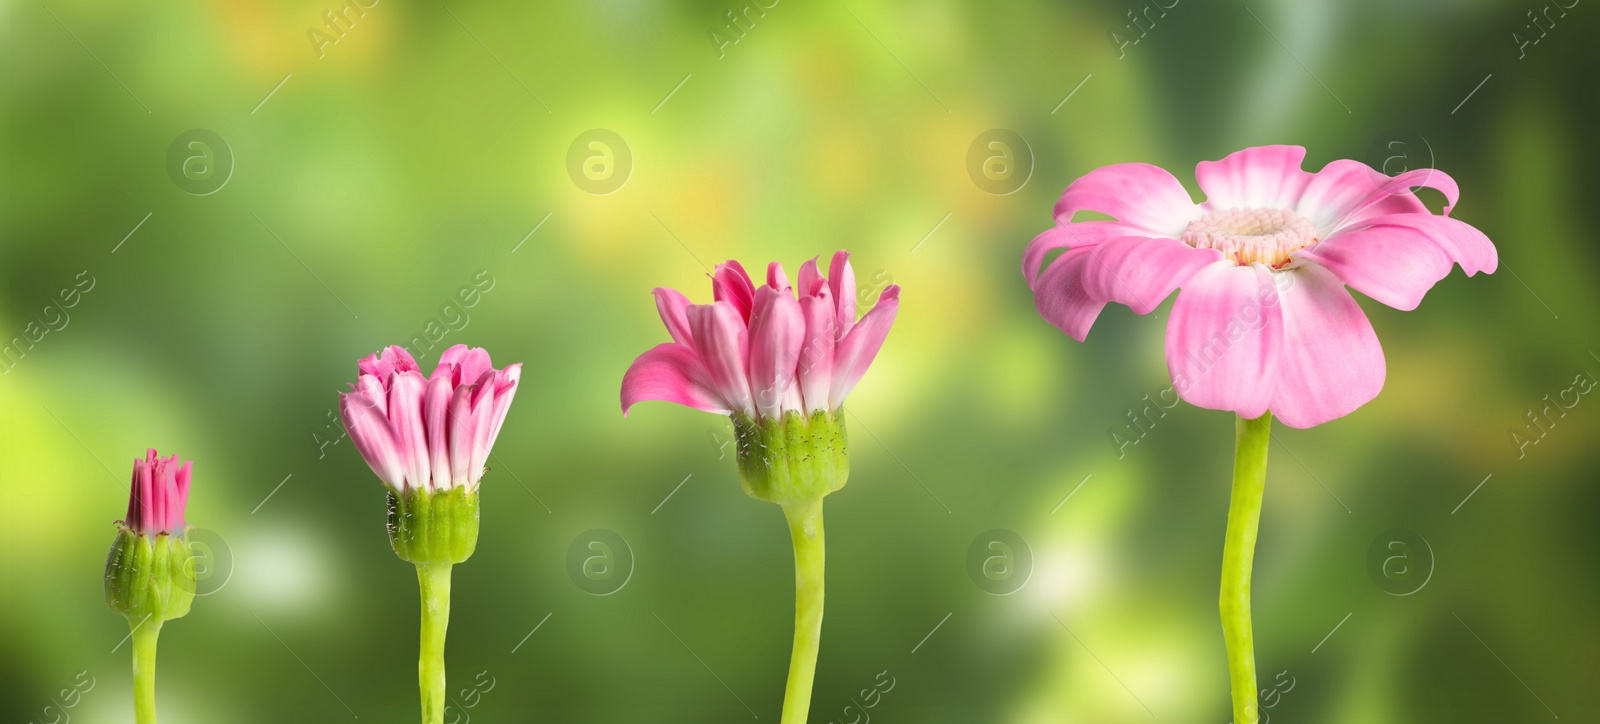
(434, 527)
(794, 458)
(150, 571)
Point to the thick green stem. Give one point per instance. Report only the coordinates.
(805, 527)
(434, 580)
(1238, 553)
(144, 669)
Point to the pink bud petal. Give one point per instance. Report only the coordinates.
(405, 421)
(672, 306)
(776, 332)
(722, 342)
(860, 345)
(776, 278)
(671, 372)
(369, 430)
(731, 284)
(435, 416)
(505, 388)
(842, 282)
(816, 351)
(810, 279)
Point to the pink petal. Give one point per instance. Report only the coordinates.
(857, 348)
(386, 362)
(816, 352)
(1347, 192)
(1331, 362)
(401, 359)
(671, 372)
(1392, 264)
(777, 330)
(462, 429)
(369, 430)
(405, 421)
(1061, 298)
(483, 397)
(469, 365)
(1141, 272)
(1137, 194)
(183, 476)
(722, 342)
(1461, 242)
(776, 278)
(842, 283)
(1264, 177)
(1069, 236)
(368, 365)
(670, 304)
(376, 390)
(146, 495)
(435, 416)
(1223, 338)
(450, 362)
(160, 486)
(730, 283)
(505, 388)
(810, 280)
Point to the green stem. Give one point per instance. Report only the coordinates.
(144, 670)
(1238, 553)
(434, 580)
(805, 527)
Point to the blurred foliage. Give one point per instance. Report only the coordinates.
(427, 150)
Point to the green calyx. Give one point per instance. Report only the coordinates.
(434, 527)
(795, 459)
(150, 577)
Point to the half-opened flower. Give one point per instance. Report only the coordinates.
(763, 351)
(428, 439)
(779, 359)
(1264, 322)
(428, 433)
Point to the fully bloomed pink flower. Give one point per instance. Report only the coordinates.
(763, 351)
(1264, 321)
(430, 433)
(159, 494)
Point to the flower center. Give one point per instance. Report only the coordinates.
(1249, 236)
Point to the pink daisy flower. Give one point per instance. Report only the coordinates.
(1264, 322)
(763, 351)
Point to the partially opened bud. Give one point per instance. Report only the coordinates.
(428, 439)
(150, 571)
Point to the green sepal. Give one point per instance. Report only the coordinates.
(433, 528)
(794, 459)
(150, 577)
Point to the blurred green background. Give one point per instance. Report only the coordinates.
(348, 191)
